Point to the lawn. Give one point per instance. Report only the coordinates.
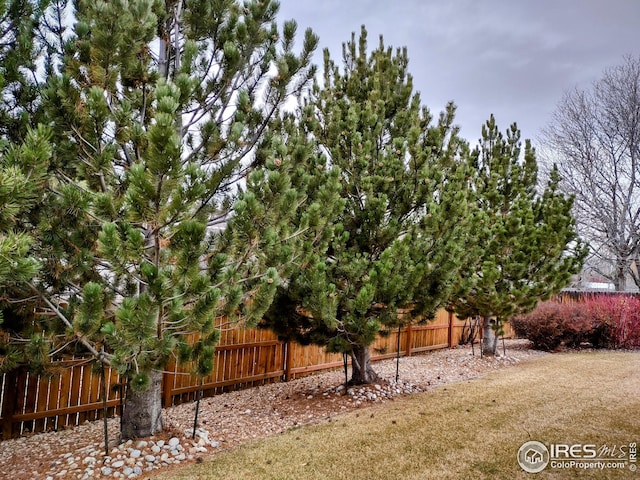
(470, 430)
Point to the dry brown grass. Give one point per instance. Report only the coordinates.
(463, 431)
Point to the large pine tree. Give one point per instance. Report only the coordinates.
(527, 243)
(168, 206)
(398, 239)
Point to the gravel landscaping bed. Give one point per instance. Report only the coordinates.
(232, 418)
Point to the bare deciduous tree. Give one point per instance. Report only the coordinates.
(594, 138)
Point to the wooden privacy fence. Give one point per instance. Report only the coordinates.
(74, 394)
(569, 295)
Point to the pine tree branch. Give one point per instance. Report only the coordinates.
(218, 220)
(60, 349)
(198, 113)
(297, 234)
(100, 356)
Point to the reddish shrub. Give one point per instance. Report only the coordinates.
(620, 316)
(553, 324)
(604, 321)
(542, 326)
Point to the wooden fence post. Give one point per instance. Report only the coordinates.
(11, 392)
(408, 347)
(167, 389)
(450, 332)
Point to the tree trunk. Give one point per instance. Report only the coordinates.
(362, 373)
(142, 416)
(620, 282)
(489, 339)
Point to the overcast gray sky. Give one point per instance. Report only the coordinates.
(512, 58)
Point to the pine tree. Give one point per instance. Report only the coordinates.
(166, 208)
(25, 155)
(527, 240)
(23, 170)
(398, 238)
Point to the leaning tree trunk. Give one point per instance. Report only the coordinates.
(142, 416)
(489, 338)
(362, 373)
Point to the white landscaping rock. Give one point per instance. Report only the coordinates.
(234, 417)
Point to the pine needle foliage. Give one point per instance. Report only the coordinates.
(528, 246)
(398, 239)
(164, 207)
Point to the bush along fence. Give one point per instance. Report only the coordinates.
(76, 390)
(589, 319)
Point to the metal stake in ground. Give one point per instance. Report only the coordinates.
(104, 410)
(122, 392)
(398, 358)
(346, 374)
(195, 418)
